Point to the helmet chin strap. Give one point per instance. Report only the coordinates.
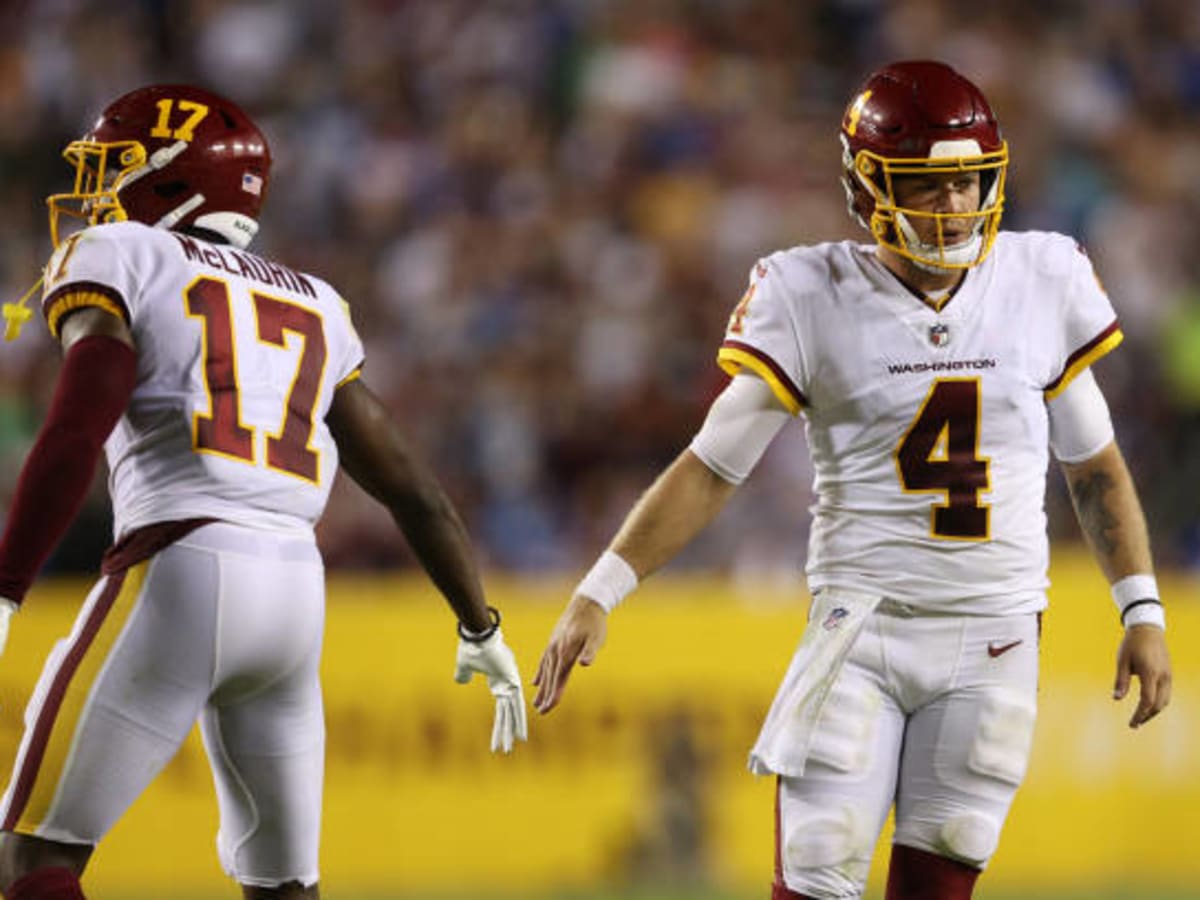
(171, 219)
(934, 259)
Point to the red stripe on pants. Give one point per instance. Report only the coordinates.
(31, 761)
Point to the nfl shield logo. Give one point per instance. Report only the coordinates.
(939, 335)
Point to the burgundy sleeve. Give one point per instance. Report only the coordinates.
(94, 386)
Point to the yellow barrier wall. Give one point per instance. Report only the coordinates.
(649, 742)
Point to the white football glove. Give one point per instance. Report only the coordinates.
(494, 659)
(7, 608)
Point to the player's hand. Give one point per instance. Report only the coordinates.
(7, 608)
(1143, 652)
(577, 637)
(493, 659)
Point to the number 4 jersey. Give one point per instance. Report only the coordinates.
(928, 428)
(238, 361)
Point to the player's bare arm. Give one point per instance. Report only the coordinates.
(1110, 515)
(680, 504)
(684, 499)
(376, 455)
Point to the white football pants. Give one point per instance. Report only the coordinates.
(224, 626)
(932, 714)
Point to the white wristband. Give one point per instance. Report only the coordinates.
(1137, 600)
(609, 581)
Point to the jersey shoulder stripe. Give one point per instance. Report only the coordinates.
(1093, 350)
(354, 375)
(79, 294)
(734, 356)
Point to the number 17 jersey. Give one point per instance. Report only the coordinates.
(238, 361)
(928, 427)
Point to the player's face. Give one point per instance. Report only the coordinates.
(945, 193)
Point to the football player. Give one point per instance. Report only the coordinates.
(934, 369)
(224, 389)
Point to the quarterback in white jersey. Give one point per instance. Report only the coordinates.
(224, 389)
(935, 371)
(927, 426)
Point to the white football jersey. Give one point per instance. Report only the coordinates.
(238, 361)
(928, 429)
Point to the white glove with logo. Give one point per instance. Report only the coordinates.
(7, 608)
(493, 658)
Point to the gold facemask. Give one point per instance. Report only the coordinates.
(892, 225)
(101, 169)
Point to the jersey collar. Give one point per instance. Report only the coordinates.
(886, 278)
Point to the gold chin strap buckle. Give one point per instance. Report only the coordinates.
(17, 314)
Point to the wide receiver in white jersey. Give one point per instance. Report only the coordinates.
(933, 370)
(223, 388)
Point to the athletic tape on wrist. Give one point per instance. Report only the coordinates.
(609, 581)
(1137, 601)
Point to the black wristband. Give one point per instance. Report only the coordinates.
(1126, 610)
(473, 638)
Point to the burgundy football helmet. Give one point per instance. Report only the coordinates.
(170, 156)
(921, 118)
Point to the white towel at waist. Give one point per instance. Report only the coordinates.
(836, 618)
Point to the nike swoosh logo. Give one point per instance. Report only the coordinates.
(995, 650)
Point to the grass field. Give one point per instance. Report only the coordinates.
(650, 893)
(666, 894)
(982, 893)
(700, 893)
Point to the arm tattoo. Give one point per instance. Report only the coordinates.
(1097, 519)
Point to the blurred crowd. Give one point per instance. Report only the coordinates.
(542, 212)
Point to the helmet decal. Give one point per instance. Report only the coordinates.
(854, 113)
(195, 112)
